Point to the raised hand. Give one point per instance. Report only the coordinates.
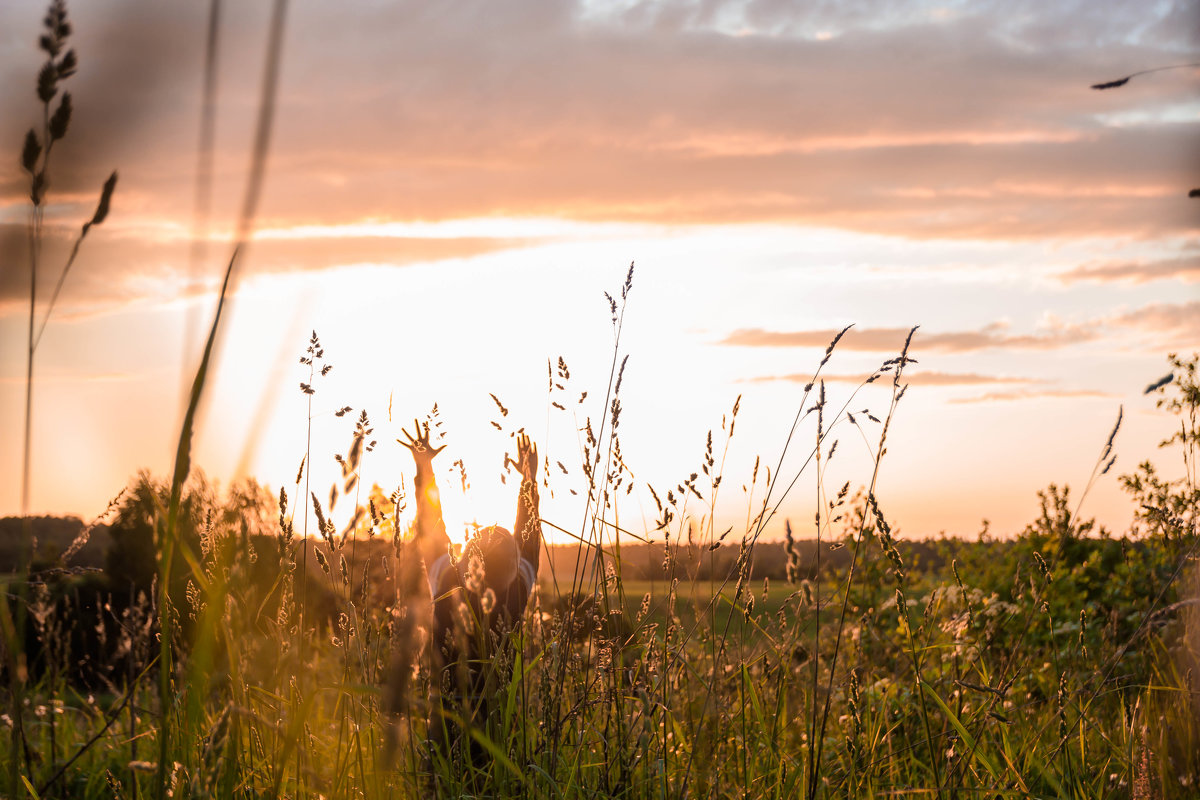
(431, 529)
(419, 445)
(527, 457)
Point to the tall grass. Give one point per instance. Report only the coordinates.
(61, 63)
(1038, 667)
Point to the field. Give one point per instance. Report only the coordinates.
(193, 642)
(1058, 663)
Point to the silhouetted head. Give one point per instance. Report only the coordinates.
(498, 550)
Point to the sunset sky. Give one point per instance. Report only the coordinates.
(453, 186)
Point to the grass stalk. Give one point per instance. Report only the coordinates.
(169, 541)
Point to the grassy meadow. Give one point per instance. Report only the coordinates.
(192, 641)
(1058, 662)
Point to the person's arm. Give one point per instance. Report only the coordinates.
(413, 593)
(431, 539)
(528, 527)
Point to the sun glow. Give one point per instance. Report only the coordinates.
(466, 510)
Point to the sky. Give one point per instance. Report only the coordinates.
(452, 188)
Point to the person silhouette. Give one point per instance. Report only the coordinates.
(478, 601)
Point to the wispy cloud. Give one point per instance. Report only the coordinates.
(1184, 268)
(1056, 334)
(1031, 394)
(927, 378)
(117, 267)
(1177, 323)
(896, 118)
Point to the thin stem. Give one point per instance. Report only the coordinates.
(1122, 81)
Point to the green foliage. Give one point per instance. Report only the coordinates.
(1049, 664)
(1008, 643)
(1166, 507)
(133, 556)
